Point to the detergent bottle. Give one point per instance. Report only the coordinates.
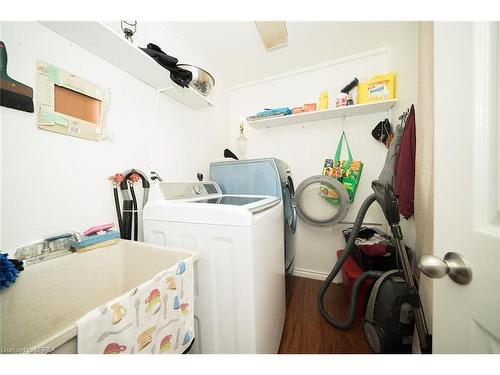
(323, 99)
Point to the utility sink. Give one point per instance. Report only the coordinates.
(39, 311)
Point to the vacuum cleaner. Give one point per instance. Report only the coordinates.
(394, 305)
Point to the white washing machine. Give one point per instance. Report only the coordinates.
(240, 275)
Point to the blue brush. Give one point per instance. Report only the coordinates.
(8, 272)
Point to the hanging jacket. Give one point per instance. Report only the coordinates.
(389, 169)
(404, 182)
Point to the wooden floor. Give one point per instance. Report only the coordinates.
(305, 329)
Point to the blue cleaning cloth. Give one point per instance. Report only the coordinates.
(8, 272)
(93, 239)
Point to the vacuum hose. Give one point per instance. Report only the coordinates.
(118, 212)
(128, 209)
(135, 213)
(117, 180)
(130, 202)
(338, 266)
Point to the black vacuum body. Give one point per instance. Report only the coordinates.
(394, 307)
(389, 322)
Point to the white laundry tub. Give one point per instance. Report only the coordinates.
(39, 311)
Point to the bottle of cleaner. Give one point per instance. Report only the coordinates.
(323, 99)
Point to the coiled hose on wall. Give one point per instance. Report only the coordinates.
(338, 266)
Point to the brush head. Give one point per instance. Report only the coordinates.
(11, 99)
(13, 94)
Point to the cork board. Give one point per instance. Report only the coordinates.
(68, 104)
(77, 105)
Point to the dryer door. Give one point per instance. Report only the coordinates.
(290, 224)
(321, 201)
(289, 204)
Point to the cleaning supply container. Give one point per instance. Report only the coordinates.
(323, 99)
(341, 100)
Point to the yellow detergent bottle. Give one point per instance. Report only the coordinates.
(323, 100)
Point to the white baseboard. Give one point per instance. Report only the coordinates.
(315, 275)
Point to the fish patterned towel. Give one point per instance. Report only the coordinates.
(156, 317)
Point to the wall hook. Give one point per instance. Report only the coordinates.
(129, 29)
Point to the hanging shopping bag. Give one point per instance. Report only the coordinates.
(348, 172)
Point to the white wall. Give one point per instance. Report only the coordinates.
(51, 182)
(305, 146)
(309, 43)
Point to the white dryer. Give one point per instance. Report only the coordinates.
(240, 275)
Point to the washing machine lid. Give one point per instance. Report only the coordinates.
(234, 200)
(321, 201)
(202, 202)
(224, 210)
(251, 203)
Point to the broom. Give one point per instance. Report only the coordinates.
(13, 94)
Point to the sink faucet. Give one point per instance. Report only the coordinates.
(60, 241)
(44, 249)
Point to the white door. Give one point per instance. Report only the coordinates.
(466, 318)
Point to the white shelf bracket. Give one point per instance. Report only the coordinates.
(158, 93)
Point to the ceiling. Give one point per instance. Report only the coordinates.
(237, 56)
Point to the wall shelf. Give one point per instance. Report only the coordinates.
(107, 44)
(326, 114)
(188, 96)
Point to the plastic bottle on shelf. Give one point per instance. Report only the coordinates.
(323, 99)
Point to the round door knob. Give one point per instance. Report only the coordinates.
(433, 267)
(452, 265)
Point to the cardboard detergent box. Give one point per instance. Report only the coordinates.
(380, 87)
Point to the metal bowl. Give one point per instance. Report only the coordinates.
(202, 81)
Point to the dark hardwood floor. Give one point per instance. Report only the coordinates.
(305, 329)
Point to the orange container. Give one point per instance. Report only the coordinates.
(309, 107)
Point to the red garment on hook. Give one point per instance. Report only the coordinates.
(404, 182)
